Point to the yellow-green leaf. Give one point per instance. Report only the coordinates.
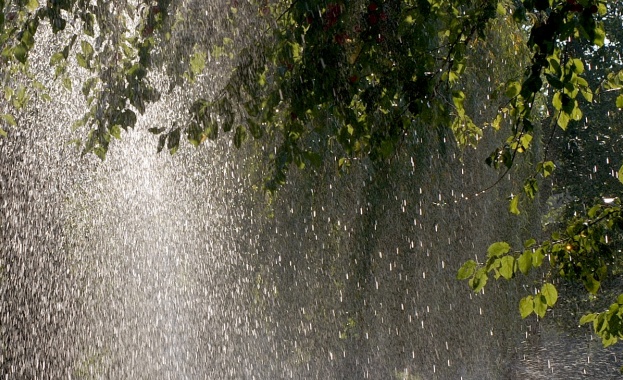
(507, 267)
(526, 306)
(540, 305)
(514, 205)
(551, 294)
(467, 270)
(32, 5)
(525, 262)
(498, 249)
(9, 119)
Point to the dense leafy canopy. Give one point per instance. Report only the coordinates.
(358, 79)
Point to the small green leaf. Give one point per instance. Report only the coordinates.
(620, 173)
(479, 280)
(619, 101)
(32, 5)
(526, 306)
(507, 267)
(9, 119)
(587, 318)
(529, 243)
(66, 81)
(3, 133)
(240, 136)
(591, 284)
(525, 262)
(115, 131)
(513, 89)
(467, 270)
(540, 305)
(498, 249)
(514, 205)
(537, 258)
(551, 294)
(563, 120)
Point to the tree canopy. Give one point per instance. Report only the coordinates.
(358, 79)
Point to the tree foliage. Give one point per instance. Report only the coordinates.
(356, 78)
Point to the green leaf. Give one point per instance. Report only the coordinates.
(66, 81)
(563, 120)
(467, 270)
(537, 258)
(514, 205)
(115, 131)
(20, 52)
(540, 305)
(498, 249)
(526, 306)
(240, 136)
(525, 262)
(620, 173)
(513, 89)
(3, 133)
(551, 294)
(479, 280)
(619, 101)
(507, 267)
(529, 243)
(32, 5)
(591, 284)
(587, 318)
(9, 119)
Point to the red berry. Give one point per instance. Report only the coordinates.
(594, 8)
(353, 79)
(383, 16)
(373, 19)
(372, 7)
